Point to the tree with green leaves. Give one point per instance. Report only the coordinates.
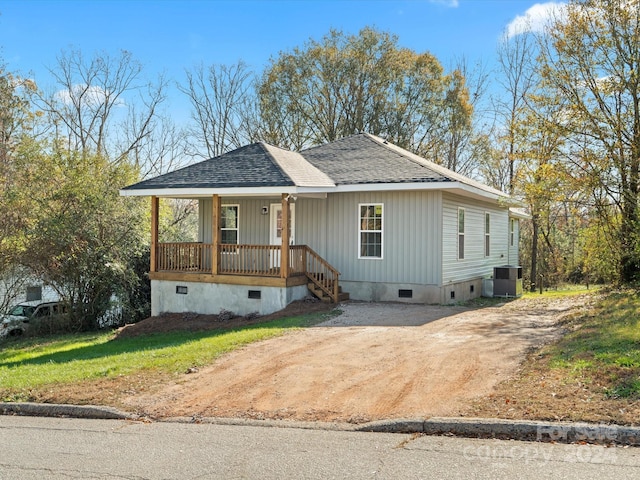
(345, 84)
(590, 61)
(16, 121)
(83, 236)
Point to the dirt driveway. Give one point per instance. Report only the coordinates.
(373, 361)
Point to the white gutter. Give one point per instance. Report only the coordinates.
(456, 187)
(208, 192)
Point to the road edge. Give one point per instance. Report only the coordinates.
(525, 430)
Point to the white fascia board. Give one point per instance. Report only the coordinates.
(460, 188)
(208, 192)
(306, 193)
(320, 192)
(519, 214)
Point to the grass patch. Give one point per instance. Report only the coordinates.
(603, 348)
(563, 291)
(37, 362)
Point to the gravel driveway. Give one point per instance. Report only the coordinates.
(373, 361)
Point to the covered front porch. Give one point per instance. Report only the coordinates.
(281, 265)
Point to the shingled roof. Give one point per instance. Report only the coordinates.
(368, 159)
(255, 165)
(364, 158)
(349, 163)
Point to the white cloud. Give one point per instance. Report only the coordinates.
(535, 18)
(90, 95)
(448, 3)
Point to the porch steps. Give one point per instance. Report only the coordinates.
(323, 296)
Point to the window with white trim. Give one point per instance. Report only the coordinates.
(229, 224)
(460, 233)
(487, 234)
(512, 234)
(370, 230)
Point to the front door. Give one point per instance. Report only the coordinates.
(275, 230)
(276, 224)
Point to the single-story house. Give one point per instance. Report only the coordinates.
(357, 217)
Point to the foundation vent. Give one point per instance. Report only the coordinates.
(255, 294)
(405, 293)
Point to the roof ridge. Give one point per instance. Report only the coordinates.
(297, 168)
(264, 146)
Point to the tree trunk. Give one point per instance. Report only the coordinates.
(534, 252)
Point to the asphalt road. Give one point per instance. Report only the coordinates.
(54, 448)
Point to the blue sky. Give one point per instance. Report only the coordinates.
(170, 36)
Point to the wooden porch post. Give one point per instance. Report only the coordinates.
(215, 235)
(284, 254)
(154, 233)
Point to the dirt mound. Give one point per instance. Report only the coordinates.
(194, 322)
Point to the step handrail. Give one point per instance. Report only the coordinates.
(322, 274)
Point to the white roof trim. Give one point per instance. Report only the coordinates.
(424, 186)
(519, 213)
(209, 192)
(456, 187)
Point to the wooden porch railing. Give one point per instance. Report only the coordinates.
(258, 260)
(183, 257)
(322, 274)
(261, 260)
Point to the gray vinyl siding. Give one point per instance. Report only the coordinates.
(411, 237)
(475, 264)
(411, 232)
(253, 228)
(420, 241)
(514, 251)
(311, 224)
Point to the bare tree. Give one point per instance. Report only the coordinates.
(162, 150)
(465, 119)
(222, 101)
(94, 96)
(517, 77)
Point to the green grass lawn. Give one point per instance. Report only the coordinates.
(603, 347)
(36, 362)
(563, 291)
